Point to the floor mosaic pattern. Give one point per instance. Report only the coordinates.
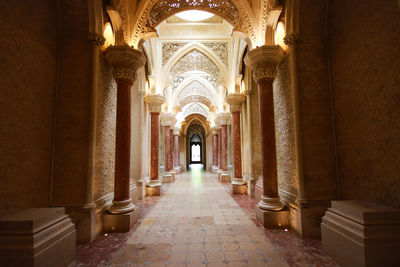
(197, 222)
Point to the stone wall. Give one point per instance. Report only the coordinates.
(284, 131)
(28, 71)
(105, 132)
(365, 66)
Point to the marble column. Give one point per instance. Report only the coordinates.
(215, 146)
(168, 121)
(125, 61)
(263, 61)
(219, 147)
(171, 147)
(154, 102)
(235, 102)
(222, 120)
(167, 148)
(177, 162)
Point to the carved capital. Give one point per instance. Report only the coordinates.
(96, 39)
(235, 101)
(154, 102)
(263, 61)
(214, 129)
(168, 119)
(125, 61)
(222, 118)
(291, 39)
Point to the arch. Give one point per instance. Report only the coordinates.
(202, 81)
(195, 140)
(193, 129)
(195, 98)
(194, 88)
(182, 52)
(194, 108)
(141, 25)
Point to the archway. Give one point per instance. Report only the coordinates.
(195, 149)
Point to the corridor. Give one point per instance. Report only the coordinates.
(197, 222)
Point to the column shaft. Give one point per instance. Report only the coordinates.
(219, 147)
(176, 143)
(171, 148)
(167, 147)
(237, 153)
(224, 147)
(155, 117)
(215, 149)
(267, 123)
(123, 140)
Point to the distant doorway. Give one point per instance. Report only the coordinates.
(195, 149)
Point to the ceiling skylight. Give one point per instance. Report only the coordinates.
(194, 15)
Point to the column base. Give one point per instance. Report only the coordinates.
(141, 185)
(273, 219)
(271, 204)
(224, 176)
(48, 239)
(120, 207)
(177, 169)
(153, 188)
(168, 177)
(214, 169)
(251, 186)
(238, 189)
(119, 223)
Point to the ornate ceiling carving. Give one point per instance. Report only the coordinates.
(220, 49)
(164, 8)
(195, 60)
(169, 49)
(195, 108)
(236, 12)
(194, 88)
(195, 98)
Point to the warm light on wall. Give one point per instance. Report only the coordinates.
(280, 35)
(108, 35)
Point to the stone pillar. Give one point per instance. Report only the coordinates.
(222, 119)
(167, 121)
(263, 61)
(219, 147)
(171, 147)
(154, 102)
(167, 148)
(215, 147)
(235, 102)
(177, 162)
(125, 61)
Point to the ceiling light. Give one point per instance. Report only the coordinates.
(194, 15)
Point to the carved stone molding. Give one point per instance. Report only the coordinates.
(291, 39)
(167, 119)
(222, 118)
(195, 98)
(154, 102)
(263, 61)
(124, 60)
(169, 49)
(235, 101)
(195, 108)
(96, 39)
(163, 8)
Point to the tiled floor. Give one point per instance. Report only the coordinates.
(197, 222)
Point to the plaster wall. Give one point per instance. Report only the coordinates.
(318, 147)
(28, 69)
(365, 66)
(72, 129)
(256, 131)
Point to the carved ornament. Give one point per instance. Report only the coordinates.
(124, 60)
(235, 101)
(263, 61)
(154, 102)
(222, 118)
(291, 39)
(96, 39)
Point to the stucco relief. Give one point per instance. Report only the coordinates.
(195, 108)
(195, 60)
(105, 132)
(220, 49)
(284, 129)
(169, 49)
(194, 88)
